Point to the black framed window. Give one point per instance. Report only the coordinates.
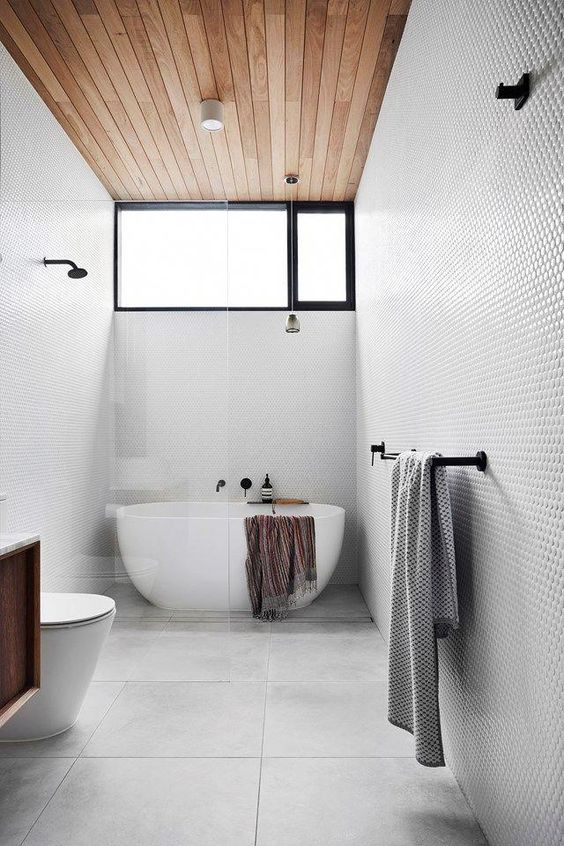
(217, 256)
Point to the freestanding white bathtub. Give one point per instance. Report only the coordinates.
(191, 555)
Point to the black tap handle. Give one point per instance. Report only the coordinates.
(246, 484)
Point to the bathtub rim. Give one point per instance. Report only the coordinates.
(142, 511)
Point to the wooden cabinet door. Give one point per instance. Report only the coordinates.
(19, 628)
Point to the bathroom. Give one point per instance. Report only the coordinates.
(242, 337)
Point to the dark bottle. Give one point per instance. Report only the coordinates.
(266, 490)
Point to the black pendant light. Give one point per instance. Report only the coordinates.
(292, 321)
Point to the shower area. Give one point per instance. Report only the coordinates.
(233, 361)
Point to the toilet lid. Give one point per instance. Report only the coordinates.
(66, 608)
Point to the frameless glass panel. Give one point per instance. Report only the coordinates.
(257, 263)
(169, 258)
(170, 394)
(322, 262)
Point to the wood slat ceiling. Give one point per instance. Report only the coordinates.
(302, 82)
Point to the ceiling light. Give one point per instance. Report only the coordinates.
(211, 115)
(292, 321)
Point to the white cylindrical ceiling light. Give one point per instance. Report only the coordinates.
(211, 115)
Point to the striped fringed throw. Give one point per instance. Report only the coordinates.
(280, 563)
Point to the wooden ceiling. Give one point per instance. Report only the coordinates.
(301, 81)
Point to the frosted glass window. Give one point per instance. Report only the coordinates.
(173, 258)
(322, 257)
(257, 258)
(215, 255)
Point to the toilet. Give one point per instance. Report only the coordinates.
(74, 627)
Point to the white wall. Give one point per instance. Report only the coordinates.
(55, 338)
(204, 396)
(460, 297)
(460, 318)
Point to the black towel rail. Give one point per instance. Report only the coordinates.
(480, 460)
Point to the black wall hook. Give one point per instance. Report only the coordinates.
(519, 93)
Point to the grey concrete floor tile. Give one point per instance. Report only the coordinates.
(336, 602)
(184, 719)
(170, 749)
(198, 615)
(130, 605)
(331, 719)
(127, 643)
(200, 651)
(368, 802)
(70, 743)
(26, 786)
(336, 651)
(165, 802)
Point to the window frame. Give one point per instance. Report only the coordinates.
(295, 208)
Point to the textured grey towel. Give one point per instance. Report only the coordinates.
(424, 604)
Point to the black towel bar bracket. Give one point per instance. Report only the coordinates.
(480, 460)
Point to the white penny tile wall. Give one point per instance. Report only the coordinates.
(55, 336)
(207, 396)
(460, 288)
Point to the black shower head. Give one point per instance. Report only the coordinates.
(74, 273)
(77, 273)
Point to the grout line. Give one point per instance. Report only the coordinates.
(196, 681)
(210, 758)
(104, 715)
(95, 729)
(263, 733)
(48, 802)
(183, 681)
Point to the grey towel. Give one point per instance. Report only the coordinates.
(424, 603)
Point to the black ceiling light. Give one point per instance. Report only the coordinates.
(292, 321)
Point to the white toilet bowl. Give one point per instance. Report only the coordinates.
(74, 627)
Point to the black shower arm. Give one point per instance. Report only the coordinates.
(47, 261)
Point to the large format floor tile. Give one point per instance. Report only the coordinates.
(70, 743)
(166, 802)
(329, 719)
(26, 785)
(126, 645)
(197, 615)
(183, 719)
(369, 802)
(334, 651)
(236, 651)
(130, 605)
(169, 744)
(337, 602)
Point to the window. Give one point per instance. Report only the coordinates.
(257, 257)
(322, 256)
(208, 256)
(172, 257)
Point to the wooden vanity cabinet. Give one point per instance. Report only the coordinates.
(19, 628)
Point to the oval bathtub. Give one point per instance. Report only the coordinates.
(191, 555)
